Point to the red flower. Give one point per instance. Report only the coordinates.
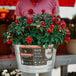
(59, 17)
(17, 21)
(11, 26)
(54, 20)
(7, 20)
(43, 23)
(22, 27)
(67, 39)
(30, 21)
(63, 25)
(13, 17)
(52, 26)
(30, 11)
(68, 33)
(59, 29)
(31, 26)
(29, 40)
(51, 15)
(50, 30)
(58, 22)
(9, 42)
(43, 11)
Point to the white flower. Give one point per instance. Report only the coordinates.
(4, 72)
(7, 74)
(13, 73)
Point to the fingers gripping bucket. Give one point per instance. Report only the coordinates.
(33, 59)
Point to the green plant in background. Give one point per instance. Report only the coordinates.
(41, 29)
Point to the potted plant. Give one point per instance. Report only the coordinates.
(36, 39)
(71, 46)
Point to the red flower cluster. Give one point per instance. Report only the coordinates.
(30, 11)
(29, 40)
(52, 26)
(9, 42)
(68, 33)
(54, 20)
(50, 30)
(67, 39)
(43, 11)
(63, 25)
(58, 22)
(8, 2)
(30, 21)
(43, 23)
(17, 21)
(11, 26)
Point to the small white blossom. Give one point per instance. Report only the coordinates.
(13, 73)
(7, 74)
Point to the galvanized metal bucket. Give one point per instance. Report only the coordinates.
(34, 59)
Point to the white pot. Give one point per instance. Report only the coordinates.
(33, 59)
(71, 46)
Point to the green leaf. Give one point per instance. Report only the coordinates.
(37, 36)
(18, 32)
(33, 24)
(22, 30)
(39, 42)
(34, 18)
(26, 34)
(56, 45)
(52, 39)
(61, 40)
(50, 43)
(16, 41)
(24, 39)
(37, 22)
(56, 39)
(47, 34)
(42, 40)
(41, 29)
(46, 45)
(5, 34)
(5, 40)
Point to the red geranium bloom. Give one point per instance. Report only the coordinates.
(9, 42)
(68, 33)
(23, 27)
(63, 21)
(59, 17)
(63, 25)
(11, 26)
(30, 11)
(52, 26)
(54, 20)
(50, 30)
(43, 11)
(29, 40)
(67, 39)
(30, 21)
(58, 22)
(17, 21)
(43, 23)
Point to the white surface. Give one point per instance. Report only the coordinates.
(67, 12)
(56, 72)
(71, 68)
